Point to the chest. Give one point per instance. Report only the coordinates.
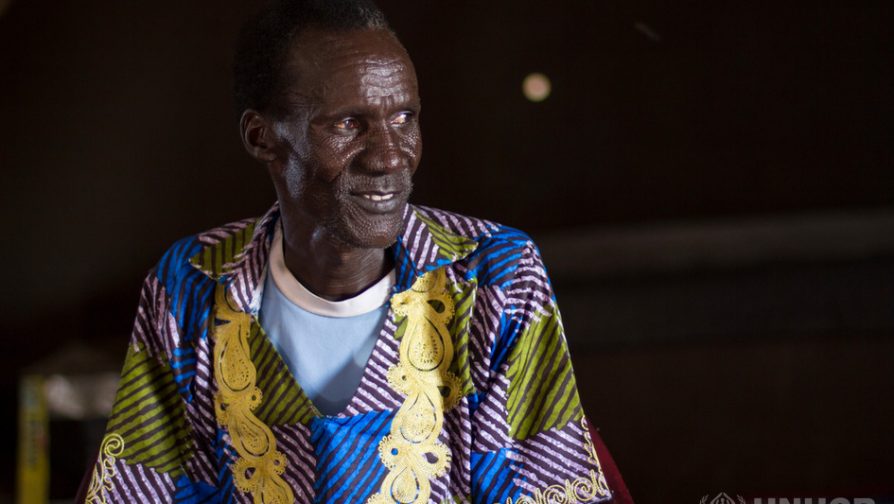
(409, 415)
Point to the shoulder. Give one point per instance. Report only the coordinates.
(498, 254)
(482, 231)
(177, 294)
(205, 253)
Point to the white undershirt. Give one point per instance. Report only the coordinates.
(324, 343)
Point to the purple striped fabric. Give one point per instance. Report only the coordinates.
(136, 483)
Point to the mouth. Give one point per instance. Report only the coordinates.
(377, 197)
(379, 202)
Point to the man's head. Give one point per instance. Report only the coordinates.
(334, 115)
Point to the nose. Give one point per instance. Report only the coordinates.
(382, 153)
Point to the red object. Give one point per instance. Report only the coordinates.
(620, 494)
(81, 496)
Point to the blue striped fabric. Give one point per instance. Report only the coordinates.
(494, 479)
(199, 492)
(189, 289)
(348, 466)
(192, 492)
(495, 260)
(183, 366)
(190, 294)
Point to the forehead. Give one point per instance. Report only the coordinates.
(368, 62)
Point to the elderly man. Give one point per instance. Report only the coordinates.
(346, 346)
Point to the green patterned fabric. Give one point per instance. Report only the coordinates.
(213, 260)
(542, 389)
(283, 401)
(464, 300)
(148, 414)
(451, 246)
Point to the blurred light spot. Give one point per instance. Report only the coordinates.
(536, 87)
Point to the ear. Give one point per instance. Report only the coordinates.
(258, 136)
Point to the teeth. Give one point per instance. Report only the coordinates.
(378, 197)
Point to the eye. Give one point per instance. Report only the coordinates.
(347, 124)
(403, 118)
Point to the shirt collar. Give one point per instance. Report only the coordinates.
(423, 245)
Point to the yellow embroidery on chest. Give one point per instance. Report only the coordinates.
(412, 452)
(101, 482)
(260, 465)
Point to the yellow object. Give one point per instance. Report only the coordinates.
(260, 465)
(34, 465)
(572, 492)
(536, 87)
(412, 452)
(101, 482)
(588, 444)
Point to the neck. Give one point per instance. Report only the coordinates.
(328, 266)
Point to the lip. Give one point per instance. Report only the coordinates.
(379, 202)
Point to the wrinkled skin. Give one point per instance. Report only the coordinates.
(341, 145)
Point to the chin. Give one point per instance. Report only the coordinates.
(370, 242)
(380, 232)
(380, 242)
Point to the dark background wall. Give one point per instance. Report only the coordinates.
(753, 368)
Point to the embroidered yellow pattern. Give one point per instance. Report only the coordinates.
(588, 444)
(101, 481)
(579, 490)
(259, 467)
(412, 452)
(583, 489)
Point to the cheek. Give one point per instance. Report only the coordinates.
(291, 172)
(331, 157)
(412, 147)
(294, 179)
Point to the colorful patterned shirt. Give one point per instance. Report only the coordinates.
(468, 396)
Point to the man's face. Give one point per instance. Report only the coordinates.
(349, 135)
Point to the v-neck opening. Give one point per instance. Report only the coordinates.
(345, 411)
(373, 393)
